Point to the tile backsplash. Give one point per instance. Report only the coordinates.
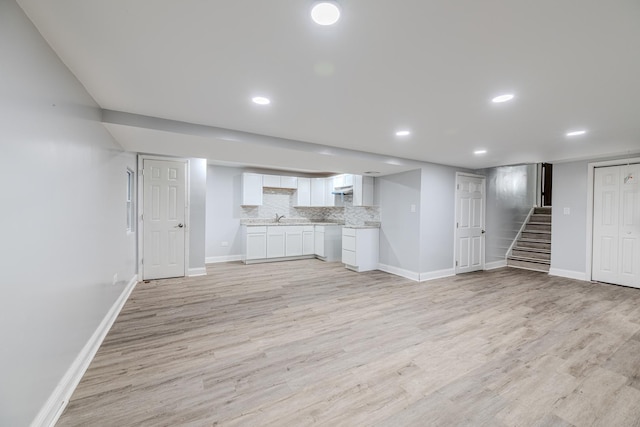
(282, 201)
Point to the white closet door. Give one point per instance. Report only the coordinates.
(616, 225)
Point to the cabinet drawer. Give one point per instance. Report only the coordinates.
(348, 231)
(349, 257)
(254, 230)
(349, 243)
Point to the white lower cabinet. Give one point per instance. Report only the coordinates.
(293, 240)
(255, 243)
(308, 240)
(275, 242)
(264, 243)
(360, 248)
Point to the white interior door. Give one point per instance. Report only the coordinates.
(164, 219)
(616, 225)
(470, 210)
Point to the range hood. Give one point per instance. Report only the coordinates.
(341, 191)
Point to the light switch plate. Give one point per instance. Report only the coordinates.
(413, 208)
(567, 211)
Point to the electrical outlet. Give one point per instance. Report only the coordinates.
(115, 278)
(224, 244)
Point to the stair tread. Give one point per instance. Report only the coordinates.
(536, 231)
(528, 239)
(538, 223)
(526, 249)
(527, 259)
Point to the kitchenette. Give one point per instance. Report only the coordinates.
(330, 218)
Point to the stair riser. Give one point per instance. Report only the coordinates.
(544, 211)
(540, 218)
(529, 265)
(534, 245)
(537, 255)
(537, 236)
(538, 227)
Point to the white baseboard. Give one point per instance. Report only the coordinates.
(495, 264)
(200, 271)
(411, 275)
(59, 398)
(438, 274)
(226, 258)
(570, 274)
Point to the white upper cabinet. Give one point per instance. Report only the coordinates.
(362, 190)
(304, 192)
(289, 182)
(251, 189)
(329, 197)
(277, 181)
(317, 191)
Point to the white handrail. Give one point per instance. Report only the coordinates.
(524, 224)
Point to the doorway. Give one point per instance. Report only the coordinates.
(616, 225)
(470, 222)
(164, 209)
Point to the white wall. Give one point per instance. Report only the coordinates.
(223, 213)
(399, 231)
(63, 214)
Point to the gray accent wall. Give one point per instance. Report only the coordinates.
(223, 212)
(399, 231)
(568, 231)
(64, 219)
(437, 217)
(511, 193)
(197, 212)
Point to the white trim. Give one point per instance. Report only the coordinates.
(438, 274)
(225, 258)
(455, 219)
(495, 264)
(59, 398)
(187, 208)
(590, 176)
(411, 275)
(200, 271)
(578, 275)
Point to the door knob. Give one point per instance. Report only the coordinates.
(180, 225)
(483, 231)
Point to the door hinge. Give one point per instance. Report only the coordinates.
(457, 186)
(456, 225)
(142, 261)
(141, 217)
(456, 263)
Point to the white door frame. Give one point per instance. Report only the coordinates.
(141, 159)
(455, 218)
(590, 187)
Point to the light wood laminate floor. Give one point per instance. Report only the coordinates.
(307, 342)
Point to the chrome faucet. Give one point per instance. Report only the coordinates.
(279, 217)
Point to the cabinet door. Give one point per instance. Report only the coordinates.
(251, 189)
(289, 182)
(257, 246)
(318, 243)
(272, 181)
(308, 246)
(275, 242)
(304, 192)
(329, 197)
(293, 241)
(317, 192)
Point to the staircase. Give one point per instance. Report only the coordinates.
(532, 249)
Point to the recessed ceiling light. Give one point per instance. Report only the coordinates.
(261, 100)
(325, 13)
(576, 133)
(479, 152)
(403, 133)
(503, 98)
(371, 173)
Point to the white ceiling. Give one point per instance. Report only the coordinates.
(429, 66)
